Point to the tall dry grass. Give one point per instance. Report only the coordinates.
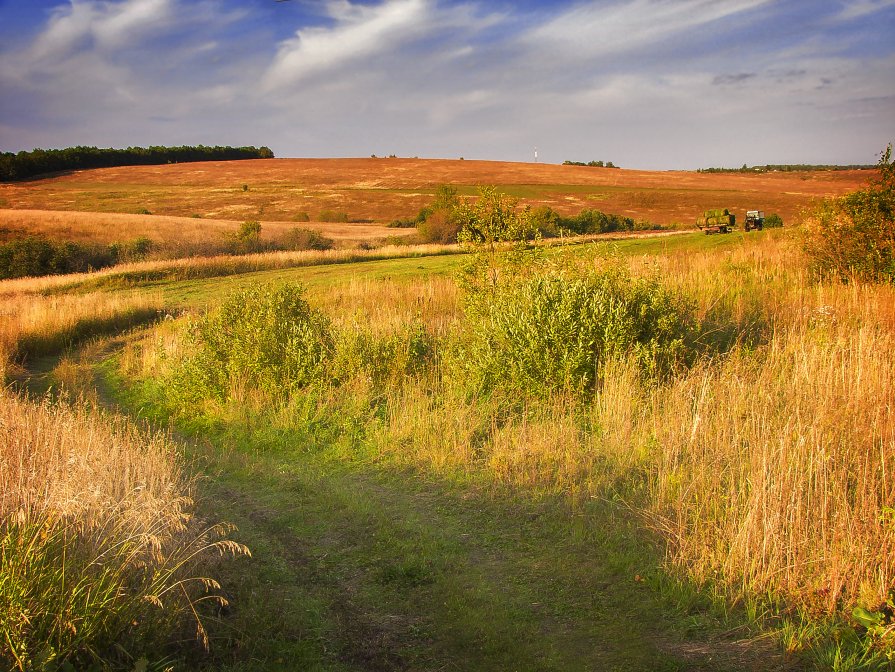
(99, 551)
(767, 467)
(215, 266)
(32, 324)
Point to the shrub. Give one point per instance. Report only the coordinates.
(247, 240)
(773, 221)
(853, 237)
(440, 226)
(301, 217)
(306, 239)
(265, 337)
(594, 221)
(388, 359)
(439, 222)
(552, 332)
(547, 221)
(403, 223)
(333, 217)
(35, 256)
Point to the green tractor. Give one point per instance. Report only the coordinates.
(754, 220)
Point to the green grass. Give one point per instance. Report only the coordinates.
(360, 566)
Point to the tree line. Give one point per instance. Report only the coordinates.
(784, 168)
(22, 165)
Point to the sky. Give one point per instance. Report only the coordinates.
(650, 84)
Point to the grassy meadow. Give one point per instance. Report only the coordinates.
(658, 453)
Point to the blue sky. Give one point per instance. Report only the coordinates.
(659, 84)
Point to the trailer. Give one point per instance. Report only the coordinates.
(716, 221)
(754, 220)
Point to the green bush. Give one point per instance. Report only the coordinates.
(306, 239)
(773, 221)
(35, 256)
(263, 338)
(382, 359)
(247, 240)
(853, 237)
(551, 332)
(332, 216)
(301, 217)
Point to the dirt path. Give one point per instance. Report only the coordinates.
(359, 567)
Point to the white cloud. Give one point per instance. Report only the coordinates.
(593, 29)
(105, 25)
(859, 8)
(359, 31)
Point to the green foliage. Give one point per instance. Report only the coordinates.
(331, 216)
(785, 168)
(382, 359)
(263, 338)
(551, 332)
(135, 250)
(247, 240)
(439, 222)
(39, 161)
(34, 256)
(306, 239)
(773, 221)
(594, 221)
(301, 217)
(590, 164)
(853, 237)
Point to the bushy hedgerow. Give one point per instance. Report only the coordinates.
(34, 256)
(853, 237)
(265, 338)
(551, 332)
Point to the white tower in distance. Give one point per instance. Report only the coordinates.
(536, 154)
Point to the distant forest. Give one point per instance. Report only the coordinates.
(39, 161)
(782, 168)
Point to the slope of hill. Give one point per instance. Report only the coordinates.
(379, 190)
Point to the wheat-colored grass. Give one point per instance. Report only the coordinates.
(206, 267)
(33, 324)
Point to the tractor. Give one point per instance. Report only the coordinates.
(754, 220)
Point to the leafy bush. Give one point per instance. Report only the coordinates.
(773, 221)
(547, 221)
(853, 237)
(301, 217)
(247, 240)
(35, 256)
(438, 222)
(134, 250)
(403, 223)
(440, 226)
(332, 216)
(552, 332)
(266, 338)
(382, 359)
(306, 239)
(594, 221)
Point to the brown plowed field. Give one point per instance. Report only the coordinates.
(375, 191)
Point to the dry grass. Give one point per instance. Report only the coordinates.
(32, 324)
(207, 267)
(172, 235)
(769, 470)
(98, 545)
(384, 189)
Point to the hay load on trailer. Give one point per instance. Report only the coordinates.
(716, 221)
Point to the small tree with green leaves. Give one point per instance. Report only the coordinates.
(853, 237)
(498, 235)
